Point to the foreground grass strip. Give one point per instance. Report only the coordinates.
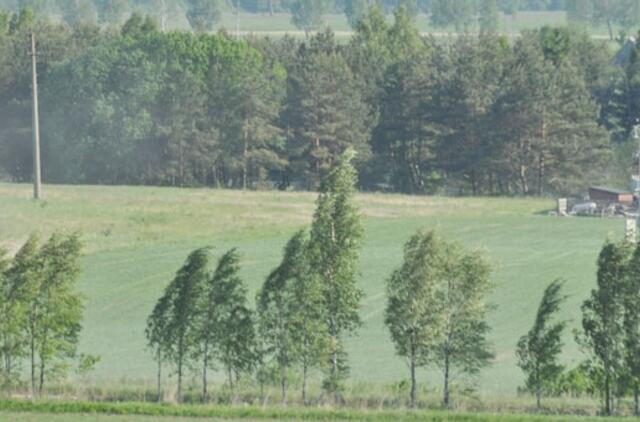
(257, 413)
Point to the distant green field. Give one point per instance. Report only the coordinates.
(136, 238)
(280, 23)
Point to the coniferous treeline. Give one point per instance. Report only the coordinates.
(477, 115)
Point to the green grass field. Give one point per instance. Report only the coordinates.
(136, 238)
(280, 23)
(143, 412)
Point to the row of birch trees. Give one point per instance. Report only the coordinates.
(309, 304)
(40, 313)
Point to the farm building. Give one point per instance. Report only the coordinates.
(600, 194)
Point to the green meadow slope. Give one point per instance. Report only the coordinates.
(137, 237)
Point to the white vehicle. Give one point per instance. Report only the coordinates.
(586, 208)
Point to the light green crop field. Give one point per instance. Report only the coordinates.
(280, 23)
(137, 237)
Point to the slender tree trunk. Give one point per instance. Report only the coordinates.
(541, 165)
(33, 364)
(491, 185)
(541, 158)
(245, 158)
(523, 179)
(446, 400)
(334, 376)
(538, 386)
(180, 377)
(42, 366)
(7, 357)
(317, 160)
(262, 398)
(205, 364)
(283, 384)
(270, 7)
(305, 371)
(474, 183)
(636, 404)
(181, 165)
(610, 29)
(607, 393)
(159, 381)
(413, 375)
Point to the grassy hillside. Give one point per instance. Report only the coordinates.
(136, 238)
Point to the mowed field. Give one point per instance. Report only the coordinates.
(137, 237)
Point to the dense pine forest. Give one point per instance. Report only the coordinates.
(124, 102)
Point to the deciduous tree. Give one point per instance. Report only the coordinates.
(603, 318)
(464, 285)
(336, 234)
(538, 350)
(412, 303)
(229, 323)
(180, 299)
(308, 14)
(631, 303)
(279, 308)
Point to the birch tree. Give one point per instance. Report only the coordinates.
(334, 246)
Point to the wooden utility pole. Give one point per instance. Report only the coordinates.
(237, 19)
(37, 182)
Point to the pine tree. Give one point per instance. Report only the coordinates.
(577, 147)
(247, 101)
(336, 234)
(469, 88)
(325, 113)
(538, 350)
(410, 125)
(522, 109)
